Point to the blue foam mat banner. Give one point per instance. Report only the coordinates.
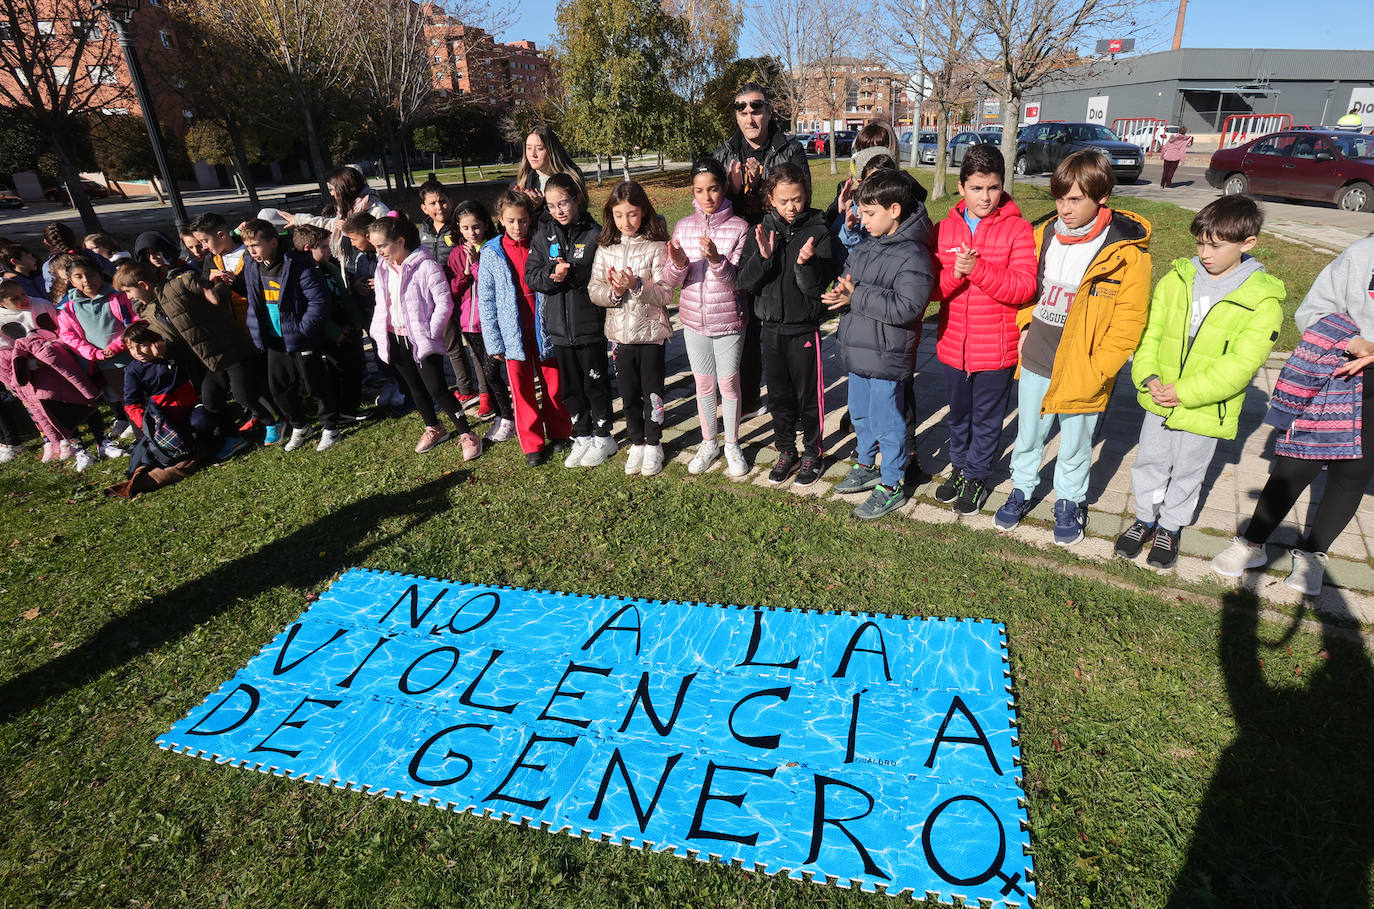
(865, 750)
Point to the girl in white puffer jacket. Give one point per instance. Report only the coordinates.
(627, 278)
(702, 256)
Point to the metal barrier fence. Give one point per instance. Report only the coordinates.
(1241, 128)
(1147, 132)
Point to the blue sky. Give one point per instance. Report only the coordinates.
(1263, 23)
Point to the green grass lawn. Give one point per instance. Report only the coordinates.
(1177, 750)
(1172, 745)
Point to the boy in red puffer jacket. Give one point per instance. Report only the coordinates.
(987, 258)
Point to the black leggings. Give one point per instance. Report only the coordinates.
(1346, 481)
(9, 432)
(425, 380)
(246, 380)
(494, 384)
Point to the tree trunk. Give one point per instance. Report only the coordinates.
(625, 165)
(1011, 116)
(833, 168)
(312, 139)
(398, 163)
(938, 190)
(463, 166)
(241, 166)
(662, 162)
(599, 173)
(66, 169)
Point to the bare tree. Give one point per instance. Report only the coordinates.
(1029, 42)
(710, 41)
(308, 41)
(783, 27)
(392, 73)
(940, 36)
(57, 63)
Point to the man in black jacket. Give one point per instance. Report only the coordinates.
(749, 156)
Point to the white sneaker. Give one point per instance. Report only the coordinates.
(1238, 558)
(64, 450)
(601, 450)
(706, 455)
(1309, 568)
(734, 460)
(10, 452)
(501, 430)
(635, 462)
(653, 461)
(111, 449)
(83, 459)
(328, 439)
(298, 437)
(122, 429)
(579, 448)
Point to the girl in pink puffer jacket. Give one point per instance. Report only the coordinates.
(702, 256)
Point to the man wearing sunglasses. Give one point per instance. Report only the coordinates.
(756, 147)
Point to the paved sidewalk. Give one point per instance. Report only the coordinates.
(1229, 494)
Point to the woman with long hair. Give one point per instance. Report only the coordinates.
(544, 157)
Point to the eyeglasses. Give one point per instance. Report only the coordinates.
(752, 106)
(565, 205)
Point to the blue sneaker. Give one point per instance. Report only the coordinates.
(1070, 522)
(232, 446)
(1012, 511)
(274, 432)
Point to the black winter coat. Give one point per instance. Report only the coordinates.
(787, 296)
(893, 277)
(570, 316)
(779, 148)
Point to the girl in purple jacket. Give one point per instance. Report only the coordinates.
(413, 307)
(702, 256)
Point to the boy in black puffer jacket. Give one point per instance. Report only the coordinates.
(888, 282)
(788, 261)
(562, 250)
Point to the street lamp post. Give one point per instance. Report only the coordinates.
(121, 15)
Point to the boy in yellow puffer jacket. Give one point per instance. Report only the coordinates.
(1213, 322)
(1094, 279)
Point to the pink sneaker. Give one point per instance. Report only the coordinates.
(472, 446)
(433, 436)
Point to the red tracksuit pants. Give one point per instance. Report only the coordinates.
(539, 414)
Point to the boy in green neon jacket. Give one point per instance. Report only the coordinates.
(1213, 321)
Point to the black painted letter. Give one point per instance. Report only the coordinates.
(696, 832)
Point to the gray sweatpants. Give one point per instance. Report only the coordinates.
(1170, 465)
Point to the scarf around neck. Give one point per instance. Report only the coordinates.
(1089, 231)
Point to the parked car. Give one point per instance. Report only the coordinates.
(1316, 165)
(10, 200)
(844, 143)
(94, 190)
(804, 140)
(925, 147)
(1041, 146)
(961, 143)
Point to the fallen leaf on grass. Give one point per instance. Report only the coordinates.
(31, 613)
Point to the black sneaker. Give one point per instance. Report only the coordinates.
(810, 470)
(558, 446)
(535, 458)
(972, 496)
(1164, 553)
(950, 489)
(787, 463)
(1133, 539)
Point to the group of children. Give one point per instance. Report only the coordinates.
(536, 295)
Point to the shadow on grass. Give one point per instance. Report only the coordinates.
(1286, 820)
(305, 558)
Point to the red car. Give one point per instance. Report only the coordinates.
(1328, 165)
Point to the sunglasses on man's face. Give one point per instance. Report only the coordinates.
(753, 106)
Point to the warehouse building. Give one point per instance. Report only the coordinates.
(1200, 87)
